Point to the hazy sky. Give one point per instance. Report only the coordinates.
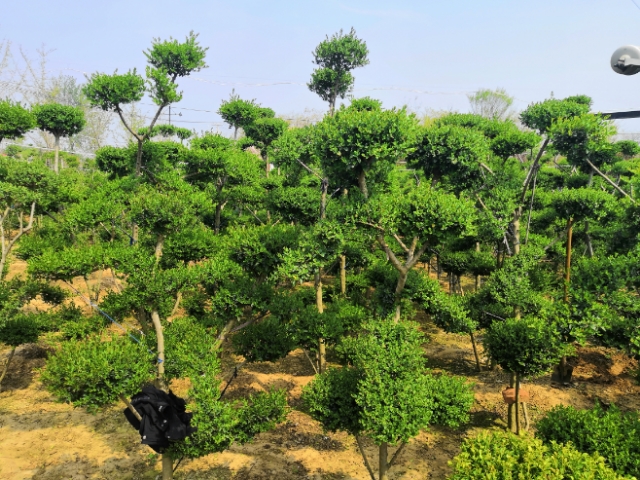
(426, 54)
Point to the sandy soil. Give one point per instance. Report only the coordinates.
(44, 440)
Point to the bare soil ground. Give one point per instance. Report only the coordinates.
(44, 440)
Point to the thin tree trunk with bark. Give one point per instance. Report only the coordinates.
(475, 351)
(567, 265)
(56, 159)
(7, 244)
(322, 353)
(364, 457)
(517, 404)
(6, 366)
(362, 184)
(343, 275)
(510, 414)
(383, 465)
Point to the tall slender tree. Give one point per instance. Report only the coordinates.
(336, 56)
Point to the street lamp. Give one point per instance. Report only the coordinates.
(626, 60)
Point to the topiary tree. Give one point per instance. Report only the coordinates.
(416, 220)
(23, 187)
(526, 347)
(385, 375)
(358, 147)
(265, 131)
(336, 56)
(15, 120)
(239, 113)
(168, 60)
(501, 455)
(60, 121)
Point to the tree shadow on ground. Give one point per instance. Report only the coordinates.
(24, 364)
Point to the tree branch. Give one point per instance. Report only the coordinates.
(394, 260)
(366, 460)
(126, 125)
(396, 455)
(486, 167)
(525, 184)
(309, 169)
(611, 182)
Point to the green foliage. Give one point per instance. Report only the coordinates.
(584, 137)
(452, 400)
(528, 347)
(188, 349)
(15, 120)
(110, 92)
(386, 375)
(59, 120)
(450, 151)
(266, 341)
(502, 455)
(336, 56)
(541, 116)
(365, 104)
(19, 330)
(628, 148)
(177, 59)
(264, 131)
(94, 373)
(239, 113)
(356, 147)
(610, 433)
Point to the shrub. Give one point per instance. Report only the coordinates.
(95, 373)
(502, 455)
(612, 434)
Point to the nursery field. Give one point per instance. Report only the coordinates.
(373, 294)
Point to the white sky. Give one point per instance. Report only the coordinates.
(426, 54)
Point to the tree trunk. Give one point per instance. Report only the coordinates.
(159, 248)
(167, 467)
(517, 404)
(512, 384)
(324, 186)
(322, 354)
(382, 473)
(6, 366)
(475, 351)
(567, 265)
(516, 230)
(139, 159)
(155, 318)
(402, 280)
(235, 132)
(343, 275)
(217, 220)
(56, 160)
(362, 184)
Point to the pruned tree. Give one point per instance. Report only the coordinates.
(386, 375)
(15, 120)
(336, 56)
(60, 121)
(239, 113)
(168, 60)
